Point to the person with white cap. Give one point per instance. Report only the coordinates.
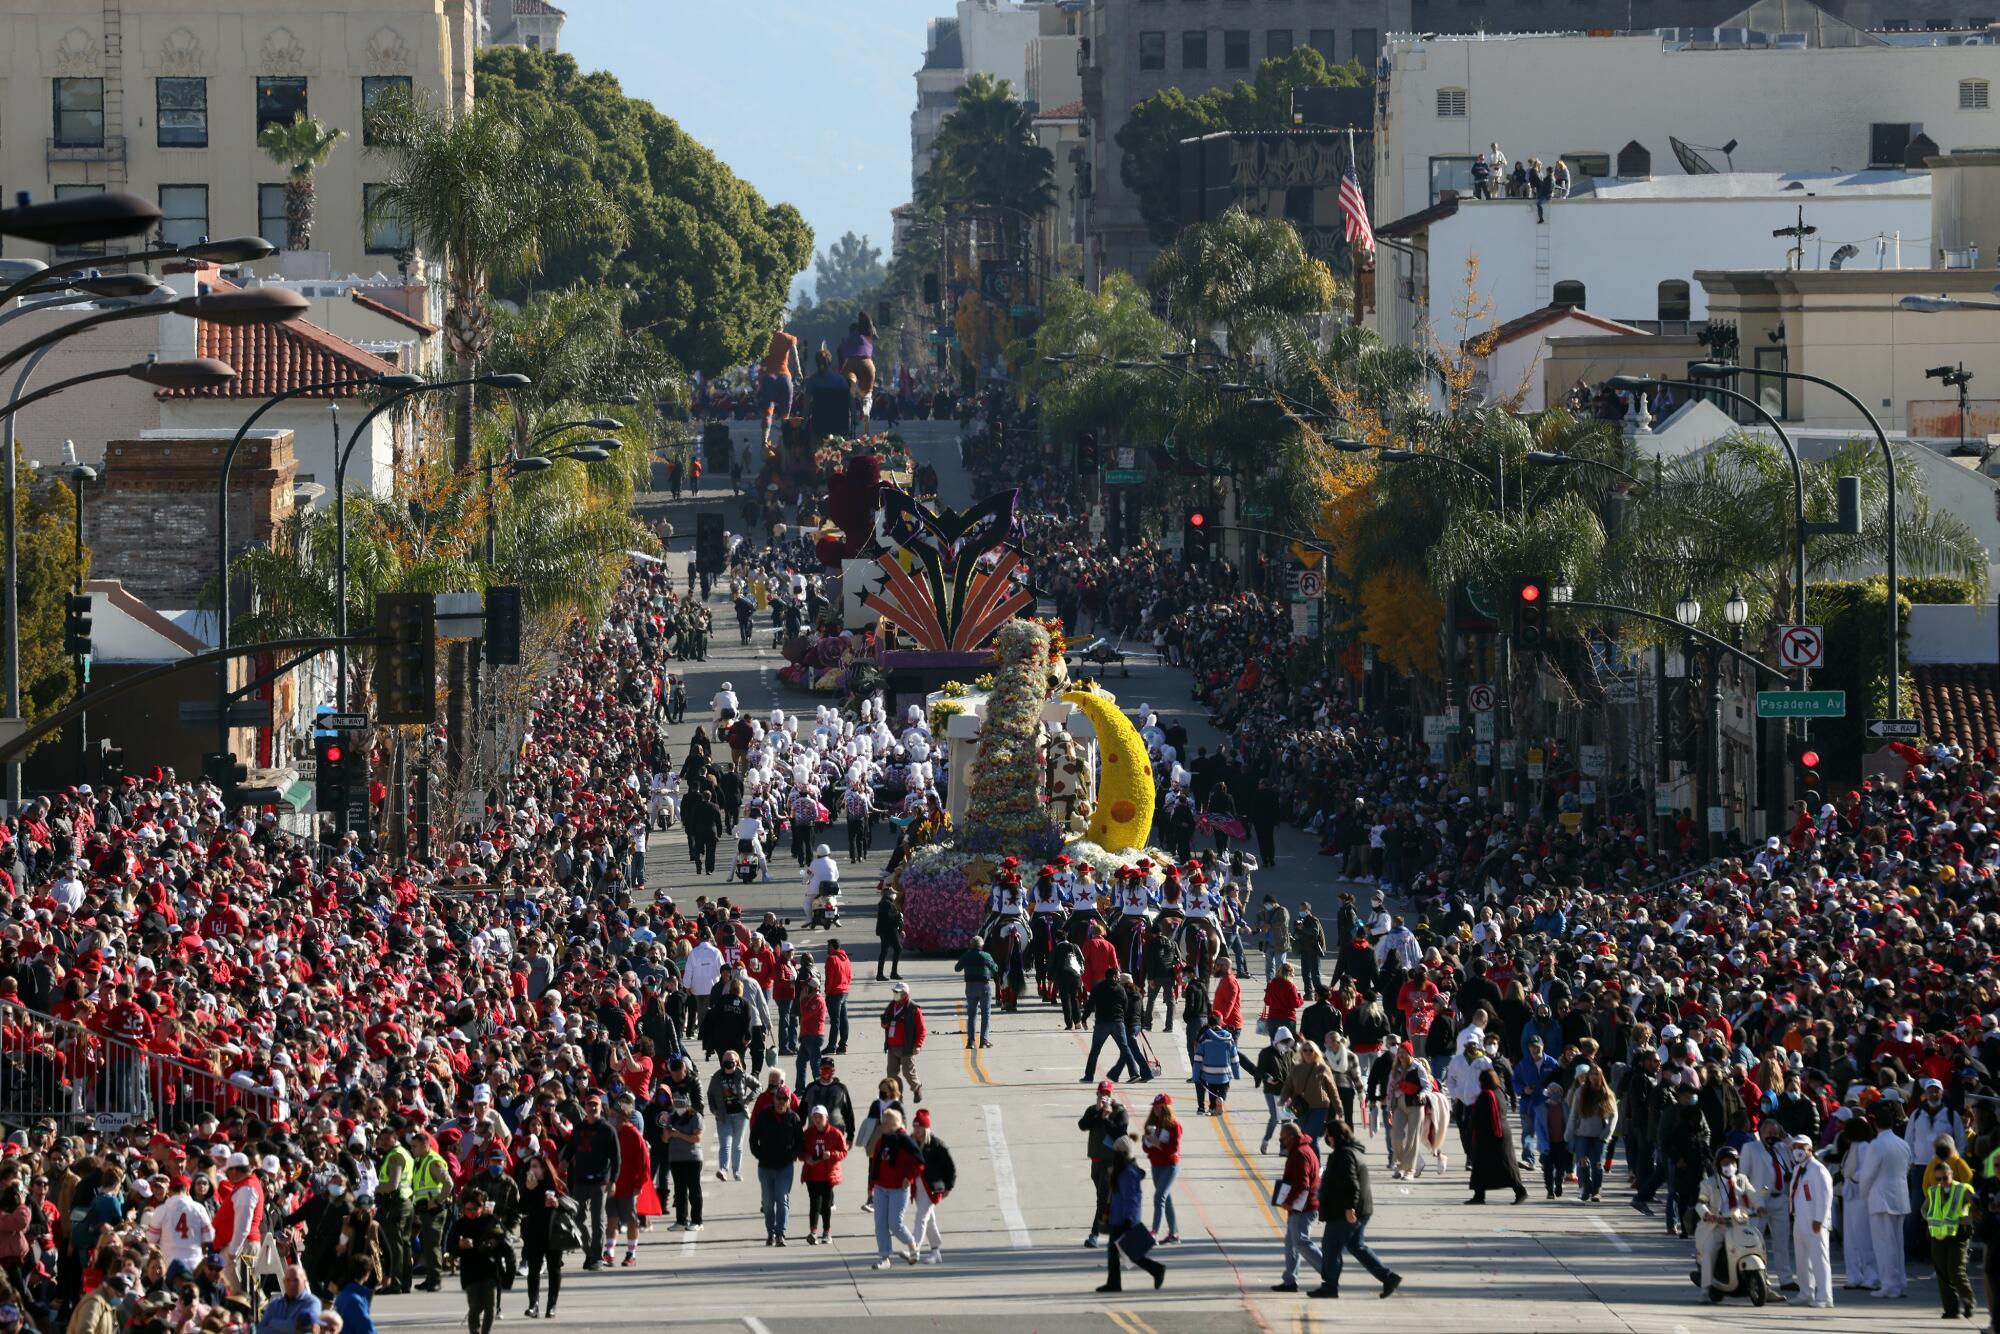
(239, 1226)
(1811, 1208)
(724, 703)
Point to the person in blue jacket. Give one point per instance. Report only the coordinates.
(1215, 1063)
(355, 1301)
(1128, 1181)
(1532, 1074)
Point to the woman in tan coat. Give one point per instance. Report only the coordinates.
(1309, 1089)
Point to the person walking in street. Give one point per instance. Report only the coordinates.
(839, 972)
(889, 930)
(980, 971)
(940, 1177)
(820, 1153)
(731, 1091)
(1296, 1194)
(898, 1164)
(1947, 1189)
(590, 1165)
(1103, 1124)
(1161, 1139)
(1812, 1224)
(1277, 925)
(812, 1031)
(682, 1135)
(777, 1136)
(1347, 1202)
(1274, 1072)
(1885, 1185)
(1767, 1163)
(1127, 1233)
(1490, 1148)
(542, 1197)
(476, 1241)
(902, 1037)
(634, 1173)
(1215, 1065)
(1108, 1004)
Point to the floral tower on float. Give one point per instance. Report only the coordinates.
(1009, 810)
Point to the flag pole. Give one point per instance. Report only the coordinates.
(1354, 251)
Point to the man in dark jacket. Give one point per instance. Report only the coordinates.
(1309, 939)
(939, 1180)
(1346, 1203)
(827, 1091)
(1103, 1124)
(776, 1136)
(590, 1163)
(1107, 1006)
(701, 819)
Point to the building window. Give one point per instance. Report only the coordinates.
(1152, 50)
(280, 101)
(183, 214)
(384, 231)
(1974, 95)
(373, 90)
(1674, 301)
(1364, 45)
(1194, 50)
(1451, 103)
(1236, 48)
(1569, 293)
(1277, 43)
(1321, 40)
(1587, 166)
(271, 215)
(89, 248)
(79, 113)
(1451, 173)
(1299, 205)
(180, 113)
(1888, 141)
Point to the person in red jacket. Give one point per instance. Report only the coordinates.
(1161, 1139)
(812, 1031)
(823, 1148)
(897, 1161)
(1282, 1000)
(635, 1173)
(902, 1037)
(1228, 1002)
(839, 981)
(1296, 1193)
(1100, 957)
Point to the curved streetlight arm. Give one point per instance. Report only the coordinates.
(1717, 644)
(1413, 455)
(49, 391)
(548, 432)
(1566, 460)
(1889, 472)
(76, 266)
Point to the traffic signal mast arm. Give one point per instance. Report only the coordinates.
(1702, 635)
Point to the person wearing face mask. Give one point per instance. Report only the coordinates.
(1810, 1205)
(1947, 1197)
(1725, 1197)
(1768, 1165)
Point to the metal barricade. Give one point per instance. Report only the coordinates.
(58, 1070)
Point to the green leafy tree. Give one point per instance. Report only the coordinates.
(1150, 138)
(484, 190)
(46, 545)
(847, 269)
(574, 347)
(301, 148)
(986, 154)
(710, 263)
(1240, 276)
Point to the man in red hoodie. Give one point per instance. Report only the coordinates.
(635, 1170)
(839, 981)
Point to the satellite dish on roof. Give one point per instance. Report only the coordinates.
(1693, 163)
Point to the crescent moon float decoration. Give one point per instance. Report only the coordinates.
(1124, 814)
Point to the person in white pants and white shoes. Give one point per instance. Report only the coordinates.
(939, 1176)
(1811, 1206)
(1768, 1164)
(1885, 1182)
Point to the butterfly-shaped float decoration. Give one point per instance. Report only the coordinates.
(950, 601)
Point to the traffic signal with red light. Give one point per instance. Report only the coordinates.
(1806, 760)
(1531, 611)
(330, 772)
(1195, 536)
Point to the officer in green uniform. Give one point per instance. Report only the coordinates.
(1947, 1213)
(392, 1206)
(430, 1198)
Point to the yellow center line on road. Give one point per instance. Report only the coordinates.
(1138, 1322)
(1122, 1320)
(973, 1070)
(1226, 1133)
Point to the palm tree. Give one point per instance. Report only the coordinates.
(483, 189)
(301, 148)
(986, 154)
(1242, 276)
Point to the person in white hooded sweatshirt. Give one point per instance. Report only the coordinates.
(1812, 1224)
(1885, 1183)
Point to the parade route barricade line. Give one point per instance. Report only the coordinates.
(1005, 1190)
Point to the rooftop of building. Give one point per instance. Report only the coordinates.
(1757, 185)
(278, 358)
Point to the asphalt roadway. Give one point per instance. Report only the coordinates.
(1013, 1258)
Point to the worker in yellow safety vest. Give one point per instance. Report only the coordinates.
(1947, 1207)
(430, 1197)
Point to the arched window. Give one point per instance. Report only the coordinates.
(1569, 293)
(1674, 300)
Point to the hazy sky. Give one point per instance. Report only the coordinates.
(809, 102)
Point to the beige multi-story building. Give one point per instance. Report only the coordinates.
(165, 98)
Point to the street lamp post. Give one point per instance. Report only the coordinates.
(1713, 369)
(79, 474)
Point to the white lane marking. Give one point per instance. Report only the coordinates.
(687, 1245)
(1003, 1182)
(755, 1326)
(1180, 1055)
(1618, 1243)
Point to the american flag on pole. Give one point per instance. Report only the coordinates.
(1353, 206)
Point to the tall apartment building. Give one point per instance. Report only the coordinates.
(982, 37)
(165, 98)
(1133, 49)
(535, 24)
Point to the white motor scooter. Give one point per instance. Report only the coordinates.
(1742, 1263)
